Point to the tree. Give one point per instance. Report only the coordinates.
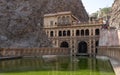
(102, 12)
(106, 10)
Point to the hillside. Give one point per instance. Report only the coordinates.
(21, 21)
(115, 15)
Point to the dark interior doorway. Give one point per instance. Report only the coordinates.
(82, 47)
(64, 45)
(96, 44)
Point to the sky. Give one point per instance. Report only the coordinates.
(92, 6)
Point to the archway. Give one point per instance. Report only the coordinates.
(51, 33)
(68, 33)
(59, 20)
(82, 32)
(63, 20)
(67, 20)
(82, 47)
(77, 32)
(97, 32)
(64, 33)
(60, 33)
(87, 32)
(64, 45)
(96, 44)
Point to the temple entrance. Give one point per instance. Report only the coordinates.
(82, 47)
(64, 45)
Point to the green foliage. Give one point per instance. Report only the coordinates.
(106, 10)
(103, 11)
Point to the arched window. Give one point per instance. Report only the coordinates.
(77, 32)
(60, 33)
(59, 20)
(97, 32)
(64, 33)
(68, 33)
(51, 33)
(67, 20)
(63, 20)
(87, 32)
(82, 32)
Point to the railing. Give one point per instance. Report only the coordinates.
(88, 23)
(113, 52)
(77, 24)
(6, 52)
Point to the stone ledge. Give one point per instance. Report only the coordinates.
(115, 65)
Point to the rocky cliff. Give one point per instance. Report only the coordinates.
(21, 21)
(115, 15)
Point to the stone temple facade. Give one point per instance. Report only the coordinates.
(65, 30)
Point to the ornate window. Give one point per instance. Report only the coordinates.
(64, 33)
(59, 20)
(82, 32)
(60, 33)
(97, 32)
(63, 20)
(68, 33)
(77, 32)
(51, 33)
(67, 21)
(87, 32)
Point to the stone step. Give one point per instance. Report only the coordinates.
(11, 57)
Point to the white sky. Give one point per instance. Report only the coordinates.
(93, 5)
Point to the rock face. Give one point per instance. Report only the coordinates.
(115, 16)
(21, 21)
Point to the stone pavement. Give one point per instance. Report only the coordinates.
(116, 66)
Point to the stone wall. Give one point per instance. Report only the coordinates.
(9, 52)
(113, 52)
(115, 15)
(109, 37)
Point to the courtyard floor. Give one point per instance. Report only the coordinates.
(116, 66)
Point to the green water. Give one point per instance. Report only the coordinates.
(56, 66)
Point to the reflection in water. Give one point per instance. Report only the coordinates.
(56, 64)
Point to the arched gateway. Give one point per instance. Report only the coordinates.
(64, 45)
(82, 47)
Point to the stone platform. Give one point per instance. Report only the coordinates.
(116, 66)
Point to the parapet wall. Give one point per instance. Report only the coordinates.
(109, 43)
(8, 52)
(113, 52)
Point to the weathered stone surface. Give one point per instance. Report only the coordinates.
(115, 15)
(109, 38)
(21, 21)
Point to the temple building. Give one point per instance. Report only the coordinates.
(67, 31)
